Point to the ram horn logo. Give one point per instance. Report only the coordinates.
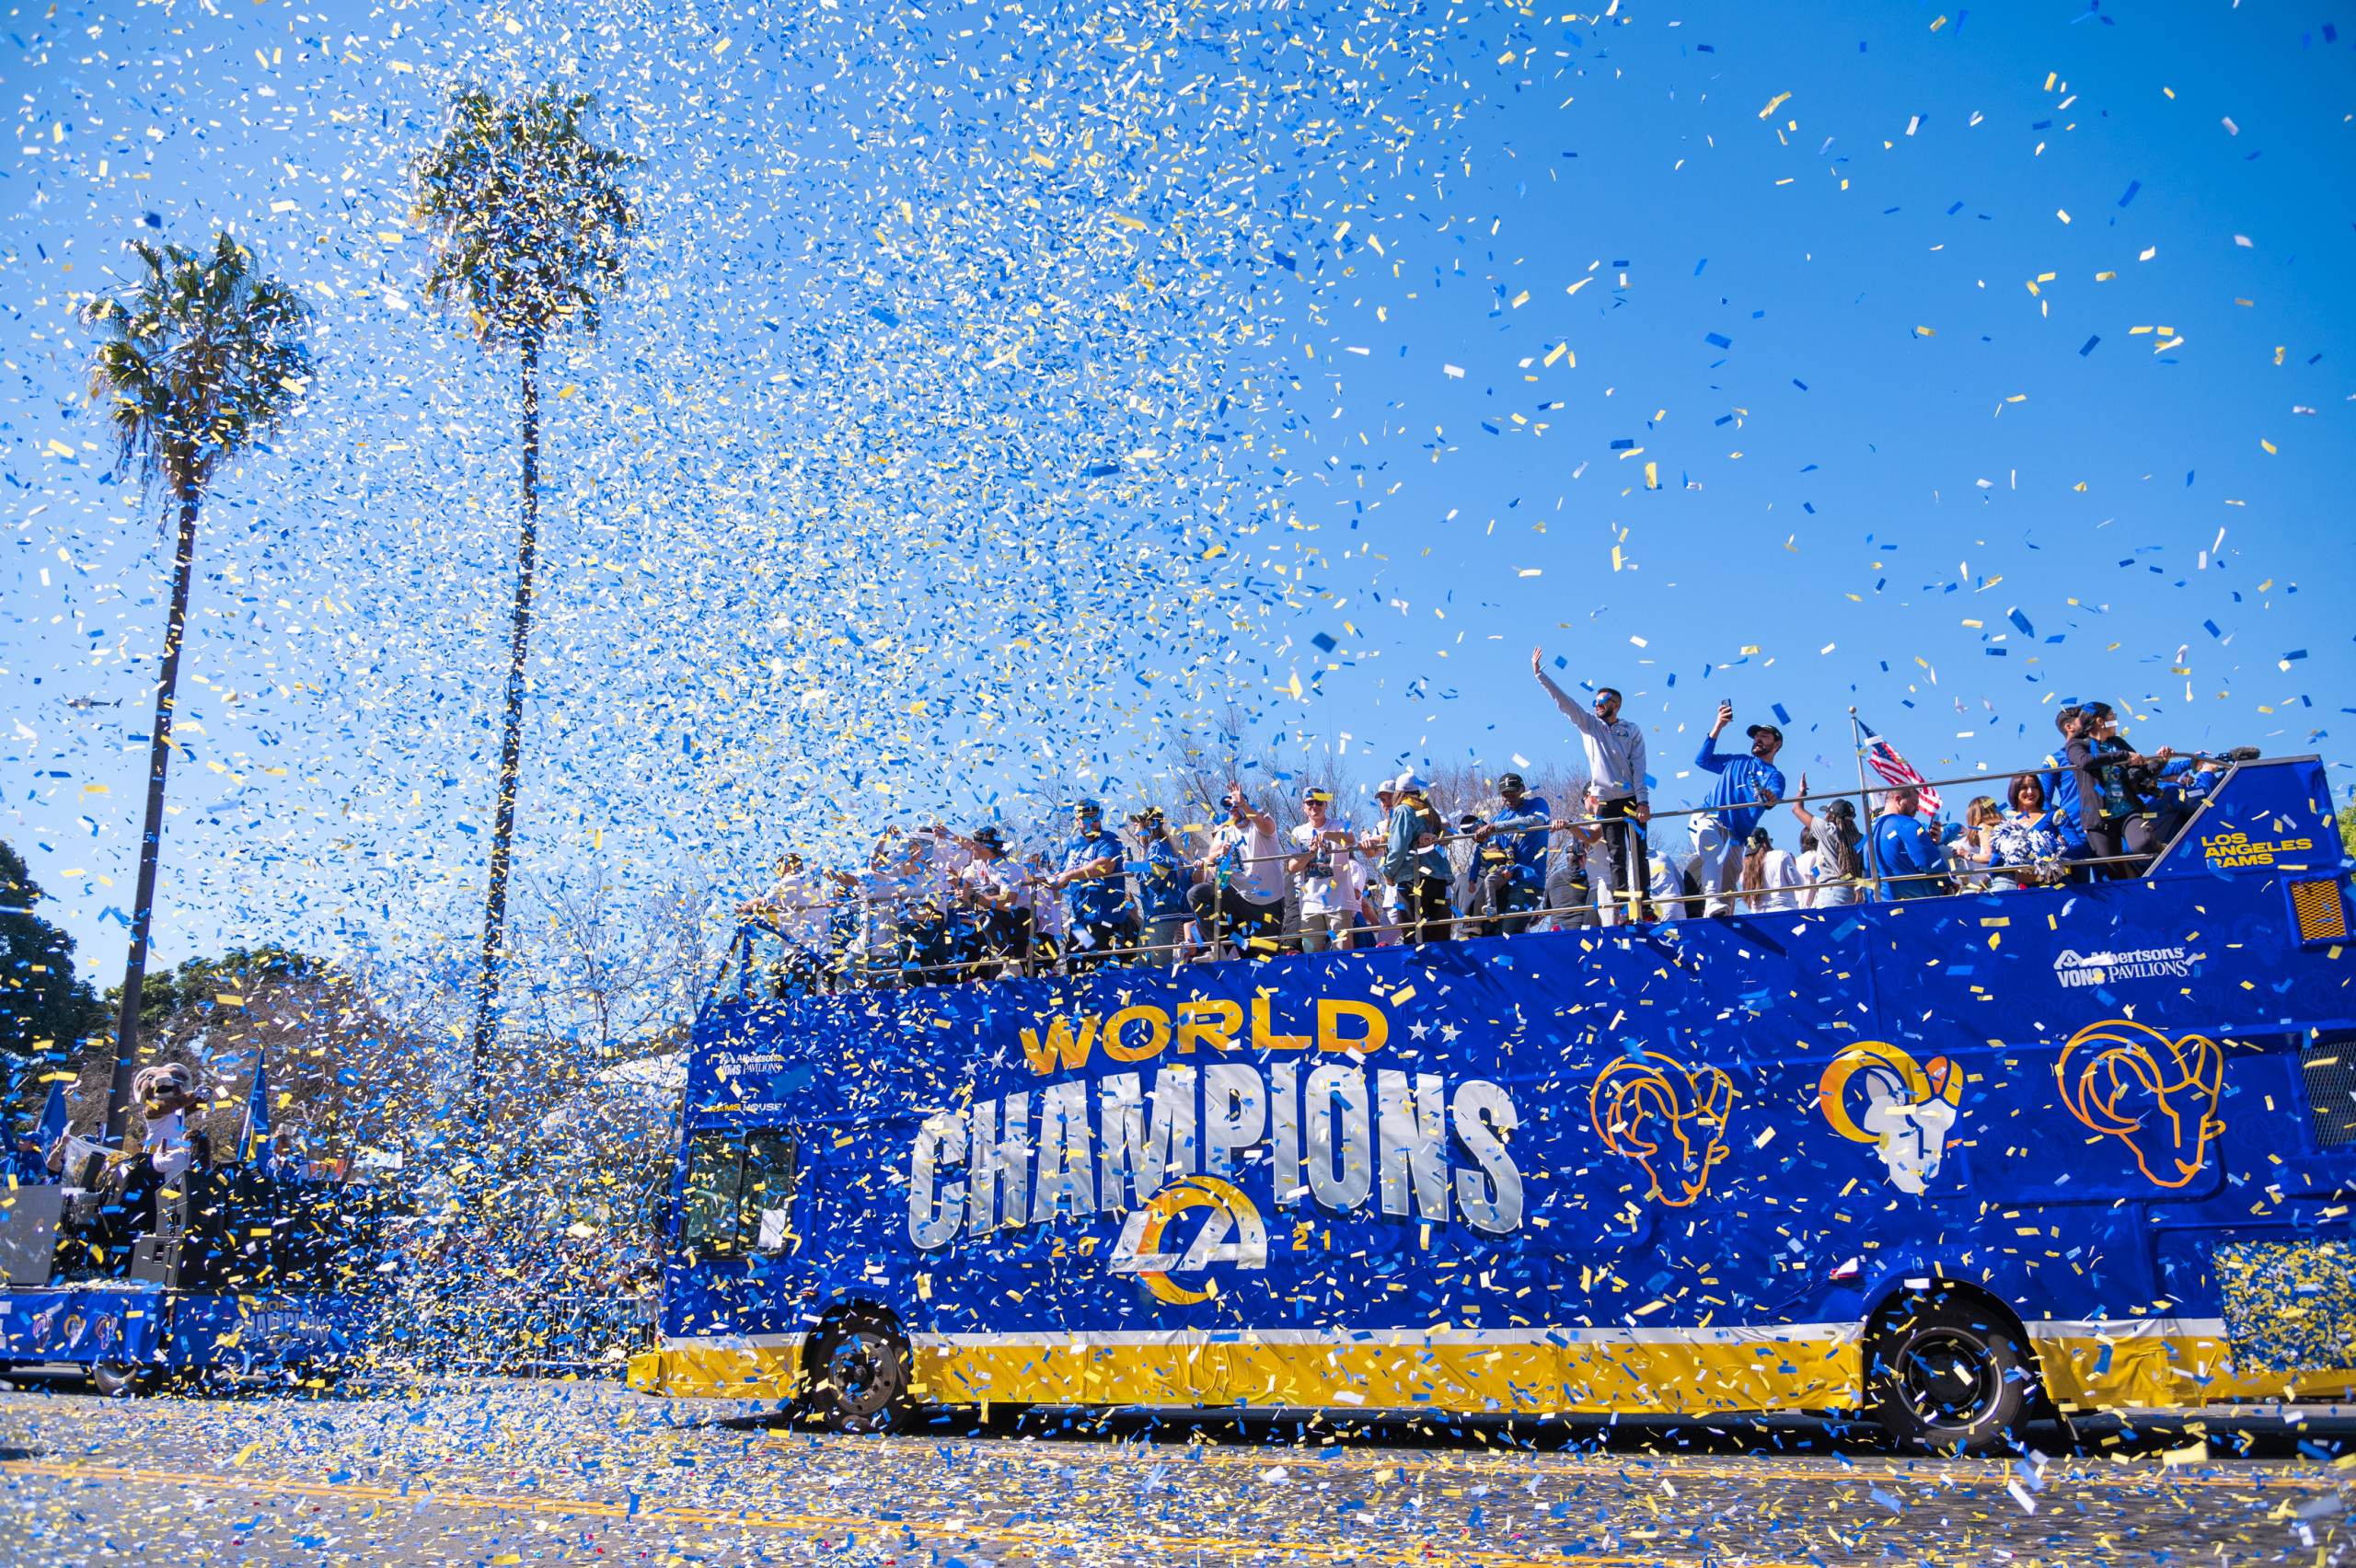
(1232, 1233)
(1669, 1118)
(1908, 1108)
(2158, 1094)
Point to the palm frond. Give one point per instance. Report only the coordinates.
(531, 218)
(201, 358)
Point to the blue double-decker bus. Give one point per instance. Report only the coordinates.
(1939, 1160)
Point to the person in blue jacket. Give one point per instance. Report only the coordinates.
(1745, 786)
(1906, 848)
(29, 1163)
(1518, 882)
(1164, 877)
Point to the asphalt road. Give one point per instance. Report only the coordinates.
(498, 1473)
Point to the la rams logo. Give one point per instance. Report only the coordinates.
(1231, 1233)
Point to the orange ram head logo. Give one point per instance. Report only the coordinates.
(2157, 1094)
(1669, 1118)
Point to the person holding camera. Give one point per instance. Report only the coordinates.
(1241, 897)
(1165, 877)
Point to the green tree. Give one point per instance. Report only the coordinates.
(43, 1008)
(2348, 829)
(201, 358)
(531, 222)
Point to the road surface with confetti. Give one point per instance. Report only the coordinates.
(510, 1473)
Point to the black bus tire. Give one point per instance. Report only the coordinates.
(1947, 1374)
(121, 1379)
(858, 1378)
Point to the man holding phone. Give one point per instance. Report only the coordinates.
(1745, 786)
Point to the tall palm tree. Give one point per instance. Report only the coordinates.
(203, 356)
(531, 222)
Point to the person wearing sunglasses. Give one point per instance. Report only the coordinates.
(1615, 761)
(1094, 889)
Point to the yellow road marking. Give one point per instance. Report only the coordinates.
(1416, 1552)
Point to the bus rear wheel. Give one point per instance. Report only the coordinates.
(1947, 1374)
(859, 1375)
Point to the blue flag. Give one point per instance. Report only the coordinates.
(53, 1114)
(254, 1136)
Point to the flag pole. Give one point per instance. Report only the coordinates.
(1865, 805)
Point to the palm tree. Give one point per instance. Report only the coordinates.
(531, 224)
(202, 357)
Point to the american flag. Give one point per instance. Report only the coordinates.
(1895, 770)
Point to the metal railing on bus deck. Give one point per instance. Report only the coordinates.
(866, 970)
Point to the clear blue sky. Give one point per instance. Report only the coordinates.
(860, 510)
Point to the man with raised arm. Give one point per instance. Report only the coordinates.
(1615, 761)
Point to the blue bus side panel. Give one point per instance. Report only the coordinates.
(97, 1323)
(255, 1333)
(1697, 1145)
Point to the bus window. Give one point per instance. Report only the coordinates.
(771, 1166)
(708, 1212)
(2328, 1056)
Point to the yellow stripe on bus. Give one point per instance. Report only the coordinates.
(1685, 1379)
(2168, 1371)
(1662, 1377)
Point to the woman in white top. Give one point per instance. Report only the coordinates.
(1771, 877)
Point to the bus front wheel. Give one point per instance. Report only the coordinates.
(1947, 1373)
(121, 1379)
(860, 1375)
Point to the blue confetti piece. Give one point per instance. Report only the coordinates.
(1717, 340)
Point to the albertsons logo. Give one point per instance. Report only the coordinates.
(2077, 969)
